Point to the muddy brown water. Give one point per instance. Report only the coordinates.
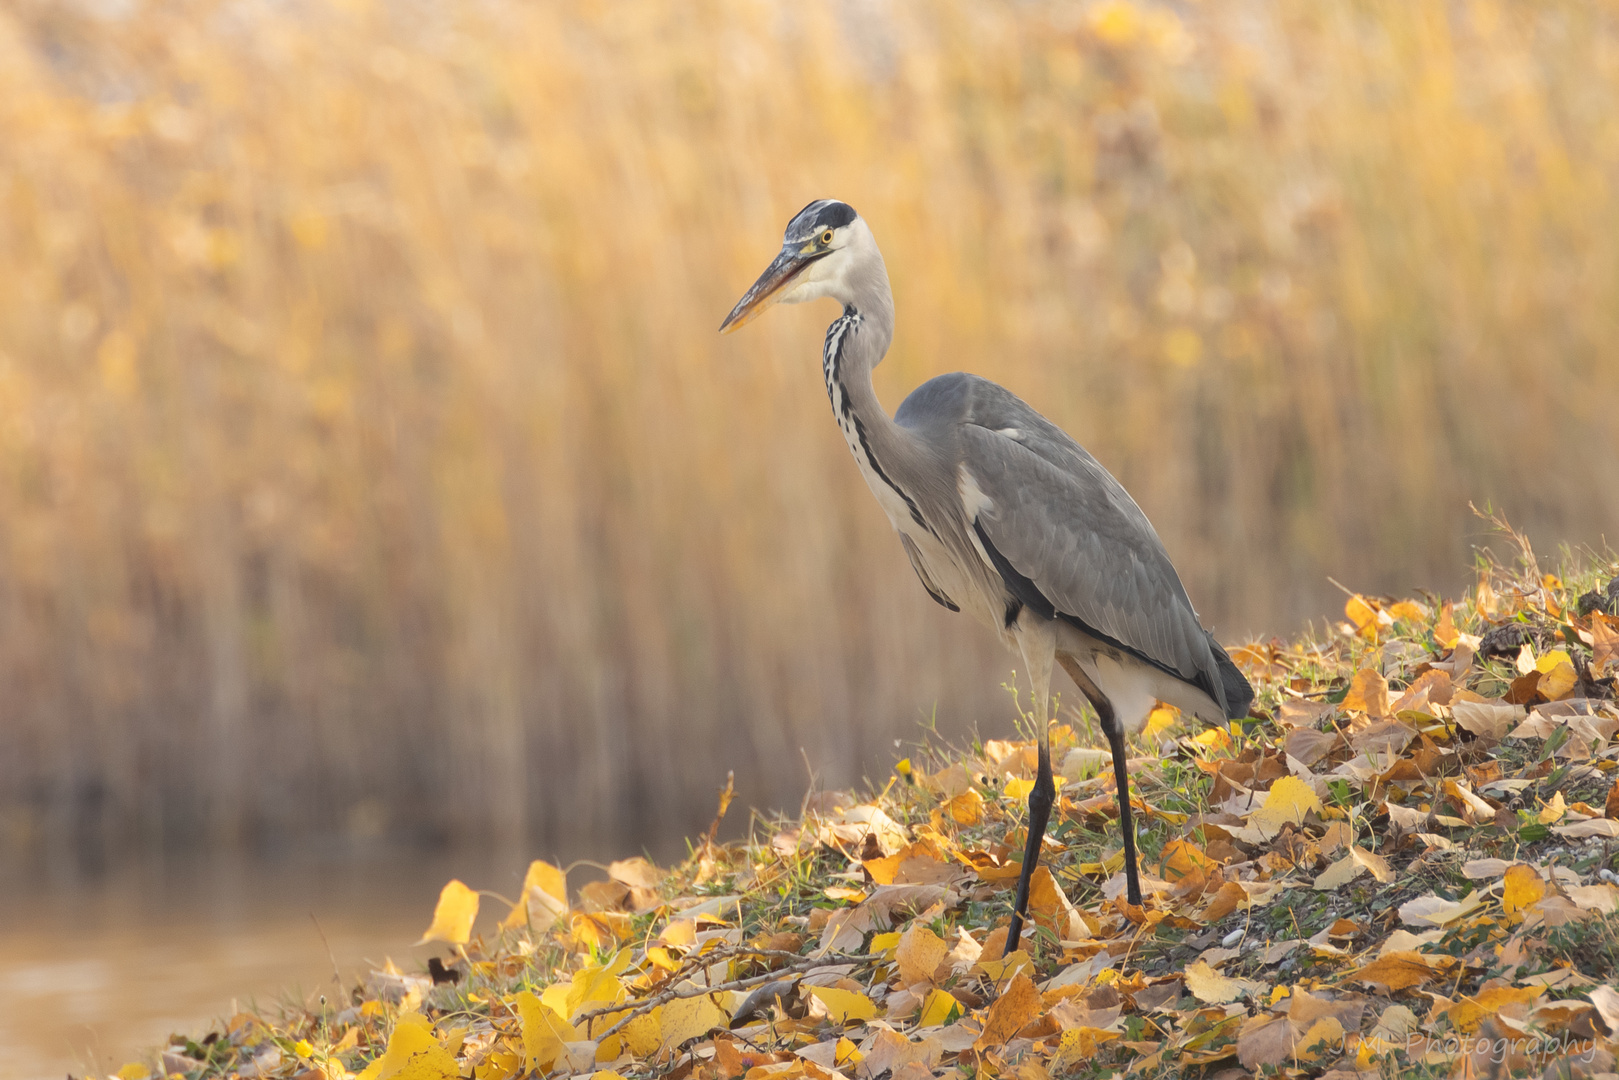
(100, 965)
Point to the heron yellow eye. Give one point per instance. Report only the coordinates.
(826, 237)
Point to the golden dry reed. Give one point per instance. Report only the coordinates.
(369, 460)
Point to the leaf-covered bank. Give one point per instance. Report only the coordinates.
(1403, 863)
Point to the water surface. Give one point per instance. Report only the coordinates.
(98, 966)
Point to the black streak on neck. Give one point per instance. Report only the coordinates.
(834, 375)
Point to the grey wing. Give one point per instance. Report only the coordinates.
(920, 566)
(1065, 535)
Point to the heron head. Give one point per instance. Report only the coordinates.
(822, 251)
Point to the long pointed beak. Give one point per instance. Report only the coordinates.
(767, 290)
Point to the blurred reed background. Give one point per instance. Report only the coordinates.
(369, 463)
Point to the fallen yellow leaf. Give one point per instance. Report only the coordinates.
(967, 808)
(1444, 631)
(544, 1033)
(1208, 985)
(1324, 1038)
(1409, 610)
(452, 918)
(842, 1006)
(688, 1018)
(1078, 1045)
(1469, 1012)
(1363, 615)
(1182, 858)
(1557, 675)
(1522, 887)
(413, 1054)
(542, 902)
(1005, 967)
(1288, 801)
(1018, 788)
(938, 1009)
(643, 1036)
(591, 987)
(1160, 720)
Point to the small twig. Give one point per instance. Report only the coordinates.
(337, 976)
(653, 1002)
(714, 956)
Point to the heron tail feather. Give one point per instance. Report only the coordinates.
(1239, 695)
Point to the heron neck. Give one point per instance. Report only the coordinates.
(855, 343)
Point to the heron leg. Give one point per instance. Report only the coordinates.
(1038, 644)
(1121, 778)
(1121, 772)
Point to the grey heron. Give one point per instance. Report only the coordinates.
(1006, 518)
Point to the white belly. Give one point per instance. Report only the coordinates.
(1133, 686)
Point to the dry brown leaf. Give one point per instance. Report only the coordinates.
(1368, 693)
(1309, 746)
(1266, 1040)
(919, 954)
(890, 1051)
(1485, 719)
(1525, 689)
(1394, 1026)
(1599, 897)
(1018, 1004)
(1606, 828)
(1297, 713)
(1604, 644)
(1474, 809)
(637, 873)
(598, 896)
(1484, 869)
(1339, 874)
(1432, 910)
(1382, 737)
(1379, 866)
(1606, 1000)
(1306, 1009)
(1049, 907)
(1397, 971)
(964, 953)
